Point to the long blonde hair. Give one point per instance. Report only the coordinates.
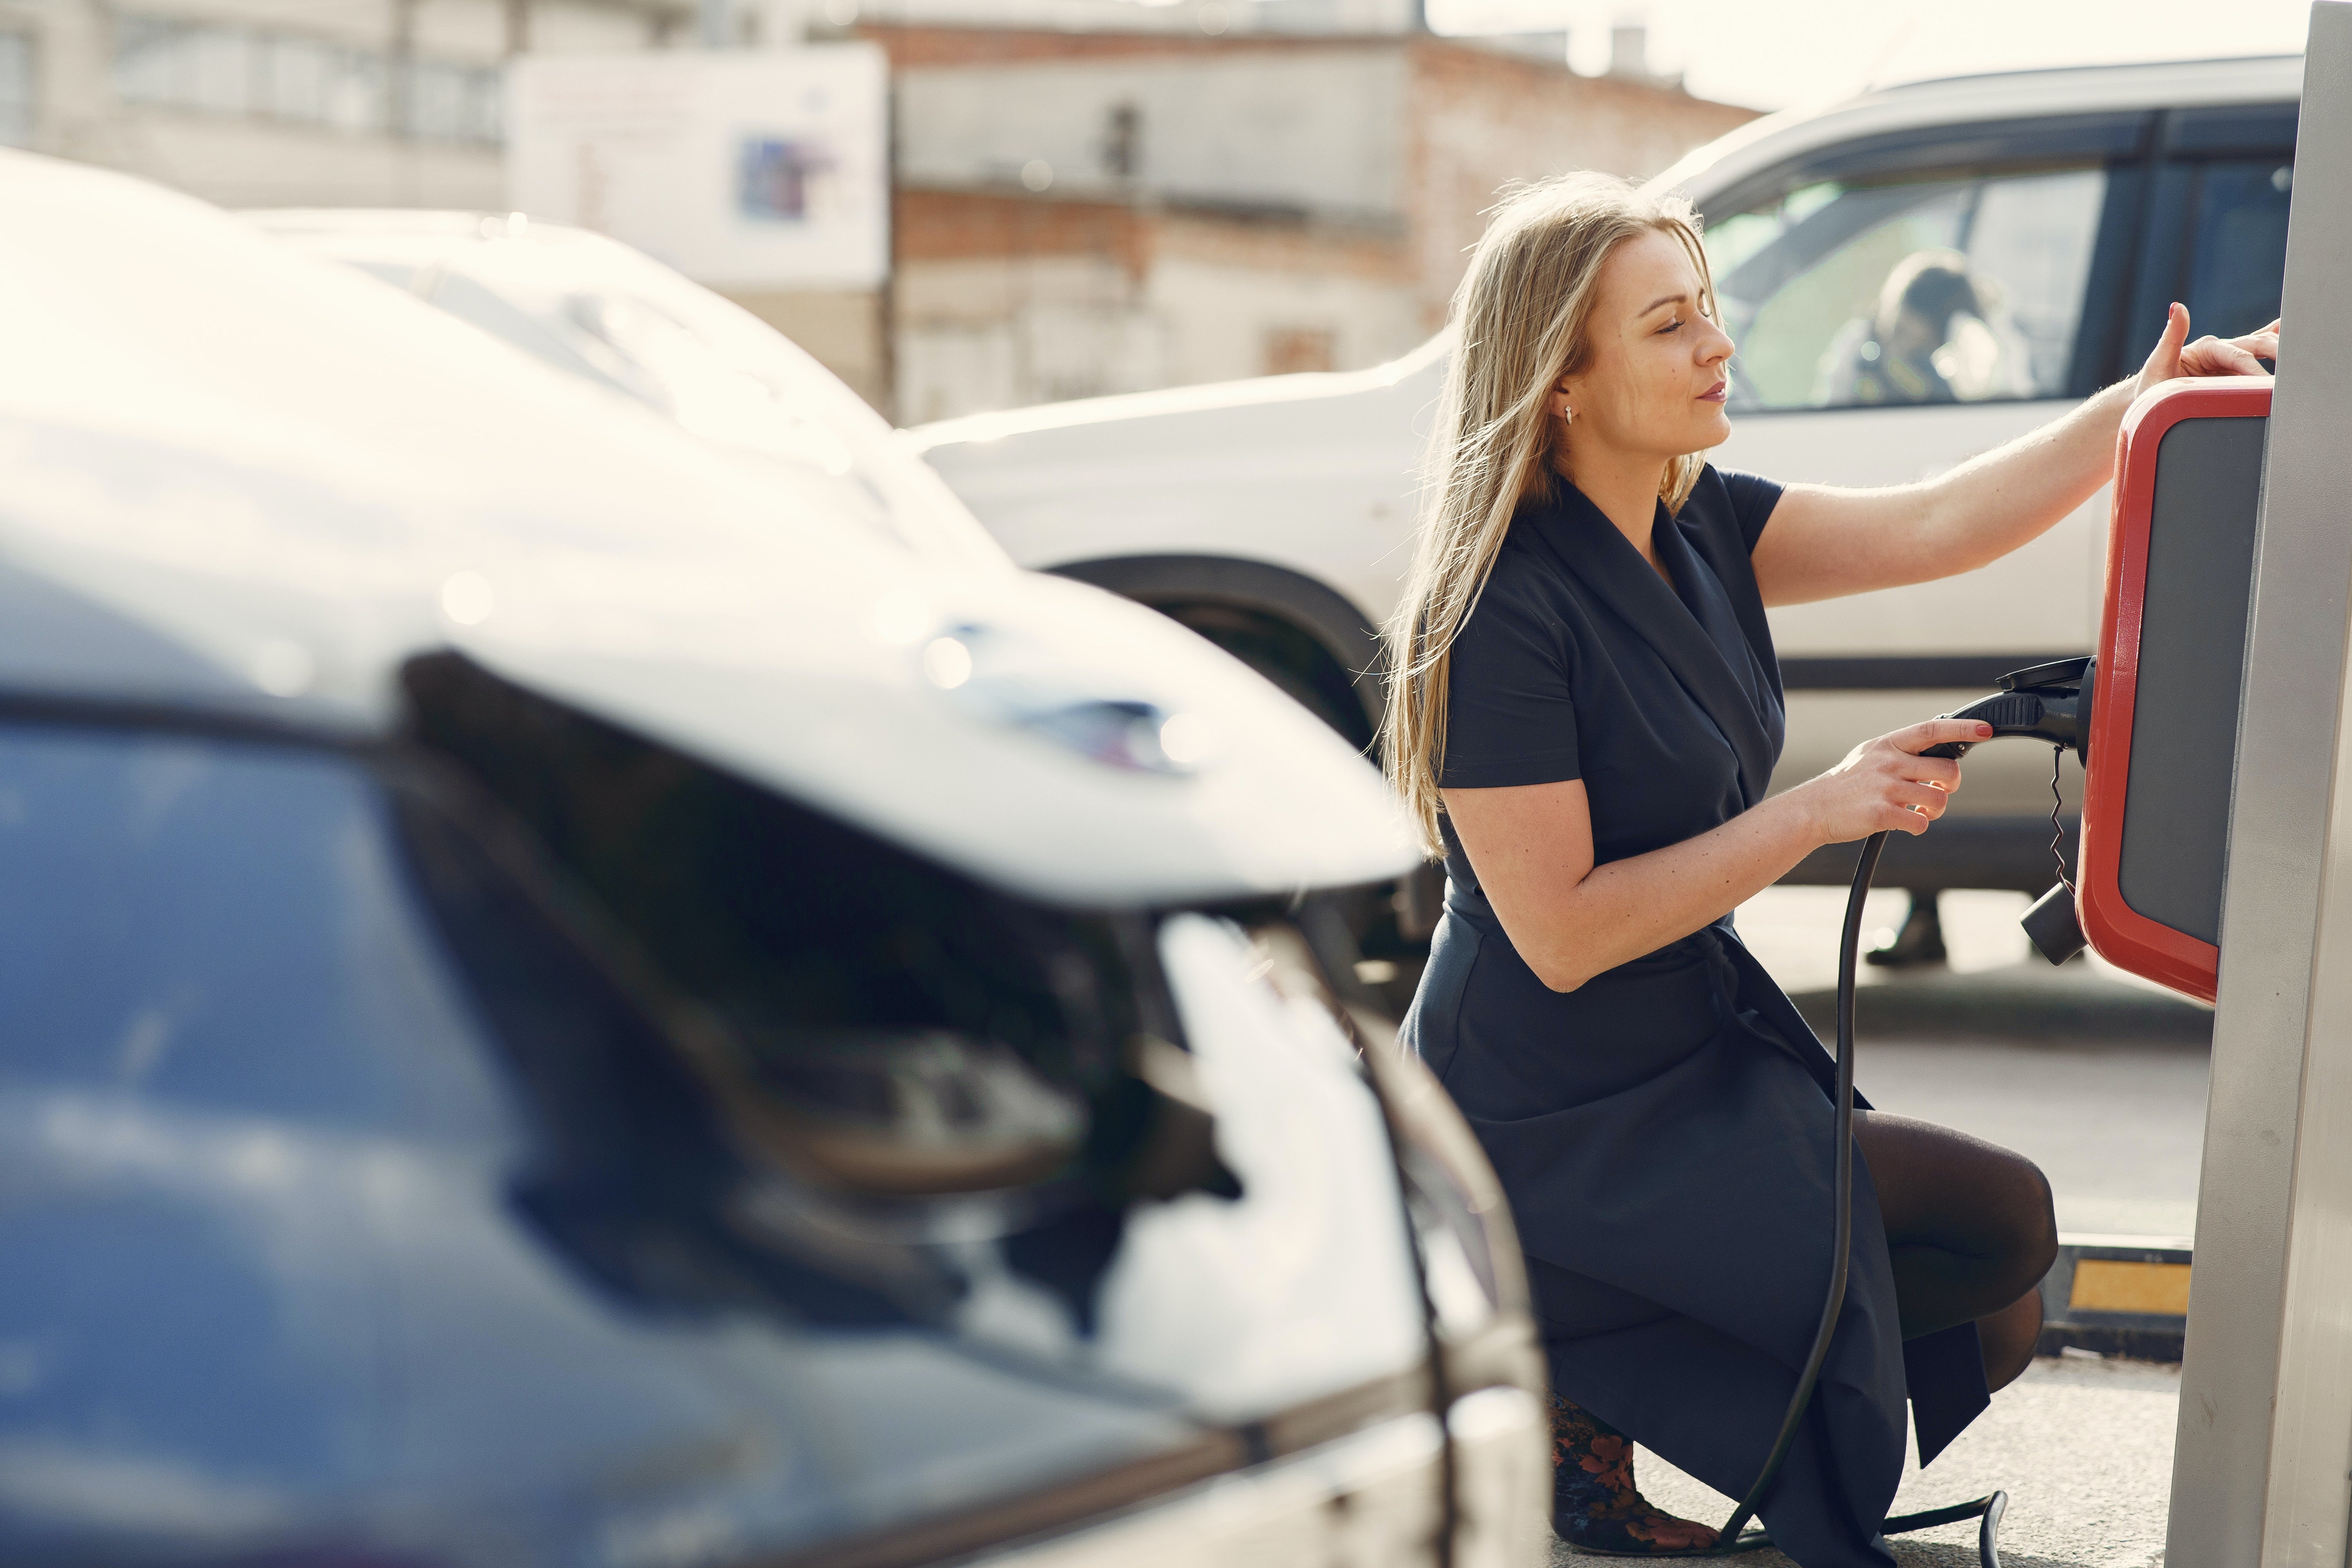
(1520, 316)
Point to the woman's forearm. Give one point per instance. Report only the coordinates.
(1991, 504)
(1825, 543)
(1627, 908)
(1570, 919)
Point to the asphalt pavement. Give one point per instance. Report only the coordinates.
(2096, 1076)
(2082, 1447)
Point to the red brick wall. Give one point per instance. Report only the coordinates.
(958, 226)
(1482, 121)
(1288, 247)
(1479, 119)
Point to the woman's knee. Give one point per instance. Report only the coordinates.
(2031, 1225)
(2008, 1339)
(1988, 1209)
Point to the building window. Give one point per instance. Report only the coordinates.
(1122, 148)
(456, 103)
(315, 83)
(1289, 350)
(16, 90)
(300, 80)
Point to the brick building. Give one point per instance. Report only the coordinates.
(1092, 196)
(297, 102)
(1092, 212)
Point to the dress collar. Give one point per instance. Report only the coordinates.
(1696, 631)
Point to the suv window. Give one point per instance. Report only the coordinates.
(2237, 261)
(1943, 288)
(2217, 243)
(2217, 222)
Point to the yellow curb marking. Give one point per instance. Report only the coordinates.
(2109, 1285)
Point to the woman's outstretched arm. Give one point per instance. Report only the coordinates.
(1531, 846)
(1824, 543)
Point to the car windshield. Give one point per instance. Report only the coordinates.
(601, 311)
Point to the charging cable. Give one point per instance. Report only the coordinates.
(1735, 1536)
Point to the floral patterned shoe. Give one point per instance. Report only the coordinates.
(1594, 1505)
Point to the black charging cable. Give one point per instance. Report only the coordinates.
(1735, 1536)
(2050, 702)
(2058, 827)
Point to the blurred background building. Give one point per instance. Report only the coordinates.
(1092, 212)
(294, 102)
(1085, 197)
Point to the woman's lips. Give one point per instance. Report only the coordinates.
(1716, 393)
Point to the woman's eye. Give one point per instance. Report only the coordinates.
(1673, 326)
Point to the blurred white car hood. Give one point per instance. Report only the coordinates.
(236, 480)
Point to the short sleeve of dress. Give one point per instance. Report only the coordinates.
(1753, 497)
(1510, 715)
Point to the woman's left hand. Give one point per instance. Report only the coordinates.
(2175, 356)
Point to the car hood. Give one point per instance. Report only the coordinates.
(1229, 417)
(241, 482)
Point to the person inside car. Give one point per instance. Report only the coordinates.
(1938, 336)
(1584, 713)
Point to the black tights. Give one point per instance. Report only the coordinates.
(1969, 1226)
(1970, 1230)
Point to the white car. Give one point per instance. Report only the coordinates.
(1913, 277)
(609, 314)
(569, 997)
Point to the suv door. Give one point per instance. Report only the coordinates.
(1902, 305)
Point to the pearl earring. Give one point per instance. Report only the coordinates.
(1567, 415)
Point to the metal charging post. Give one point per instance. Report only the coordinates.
(2262, 1468)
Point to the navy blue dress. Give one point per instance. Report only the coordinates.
(1663, 1130)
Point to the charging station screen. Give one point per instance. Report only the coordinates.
(2193, 653)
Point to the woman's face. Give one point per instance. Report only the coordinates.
(1658, 370)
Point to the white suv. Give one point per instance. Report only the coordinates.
(1913, 277)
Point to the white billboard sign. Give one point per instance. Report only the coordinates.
(746, 170)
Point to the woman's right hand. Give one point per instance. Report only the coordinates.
(1885, 784)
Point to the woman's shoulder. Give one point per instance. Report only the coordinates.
(1732, 502)
(1527, 591)
(1528, 571)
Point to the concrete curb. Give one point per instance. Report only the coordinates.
(2013, 1007)
(2116, 1296)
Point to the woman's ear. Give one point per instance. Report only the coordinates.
(1563, 401)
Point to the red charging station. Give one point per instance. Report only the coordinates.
(2171, 657)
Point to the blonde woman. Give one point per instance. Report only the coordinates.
(1585, 712)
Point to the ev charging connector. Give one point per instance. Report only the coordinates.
(2043, 702)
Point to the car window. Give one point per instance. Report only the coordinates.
(2237, 259)
(225, 925)
(1946, 289)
